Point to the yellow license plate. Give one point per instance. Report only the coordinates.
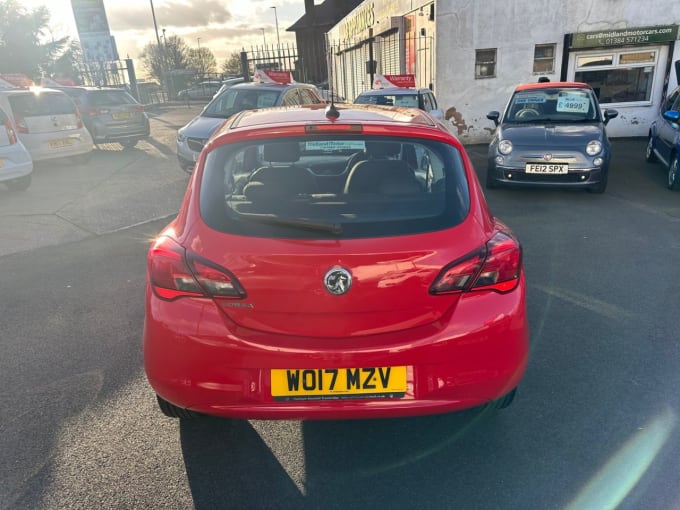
(63, 142)
(121, 116)
(338, 383)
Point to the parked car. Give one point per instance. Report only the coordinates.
(252, 95)
(551, 134)
(111, 115)
(228, 83)
(389, 94)
(16, 166)
(291, 286)
(664, 138)
(48, 123)
(201, 90)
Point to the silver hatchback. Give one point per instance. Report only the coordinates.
(48, 123)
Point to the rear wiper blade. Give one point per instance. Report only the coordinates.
(317, 226)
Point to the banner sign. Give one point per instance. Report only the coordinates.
(385, 81)
(272, 76)
(12, 80)
(624, 36)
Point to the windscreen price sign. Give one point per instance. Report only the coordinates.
(625, 36)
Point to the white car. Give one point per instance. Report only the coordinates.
(48, 123)
(16, 166)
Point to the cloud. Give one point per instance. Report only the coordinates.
(169, 14)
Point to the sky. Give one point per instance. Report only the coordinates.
(224, 26)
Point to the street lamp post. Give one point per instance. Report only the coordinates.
(200, 57)
(276, 18)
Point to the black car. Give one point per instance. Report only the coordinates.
(663, 144)
(111, 114)
(551, 134)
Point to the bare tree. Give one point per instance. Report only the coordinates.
(173, 54)
(202, 60)
(232, 65)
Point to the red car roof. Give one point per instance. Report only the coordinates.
(551, 84)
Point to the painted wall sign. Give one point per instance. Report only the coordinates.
(362, 20)
(621, 37)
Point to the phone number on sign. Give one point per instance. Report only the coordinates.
(627, 40)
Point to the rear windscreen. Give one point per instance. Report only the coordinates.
(404, 100)
(347, 186)
(110, 98)
(44, 103)
(236, 100)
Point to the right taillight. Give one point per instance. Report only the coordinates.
(174, 273)
(496, 266)
(10, 132)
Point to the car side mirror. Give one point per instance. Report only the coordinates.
(437, 114)
(609, 115)
(672, 116)
(494, 116)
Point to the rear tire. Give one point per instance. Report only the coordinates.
(82, 159)
(129, 144)
(674, 174)
(20, 184)
(650, 156)
(172, 411)
(505, 400)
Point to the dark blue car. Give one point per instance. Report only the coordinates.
(551, 135)
(664, 138)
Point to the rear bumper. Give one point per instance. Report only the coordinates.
(197, 359)
(14, 165)
(82, 144)
(102, 133)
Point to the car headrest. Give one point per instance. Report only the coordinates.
(282, 152)
(382, 149)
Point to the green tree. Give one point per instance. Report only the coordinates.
(232, 65)
(22, 32)
(68, 64)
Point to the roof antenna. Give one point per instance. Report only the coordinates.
(332, 112)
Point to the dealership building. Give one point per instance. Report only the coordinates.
(473, 54)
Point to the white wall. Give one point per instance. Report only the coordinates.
(463, 26)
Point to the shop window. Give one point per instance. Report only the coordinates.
(485, 63)
(544, 58)
(619, 77)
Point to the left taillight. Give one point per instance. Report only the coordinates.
(175, 273)
(79, 118)
(496, 266)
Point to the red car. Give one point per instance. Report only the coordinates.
(334, 263)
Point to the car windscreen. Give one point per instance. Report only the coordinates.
(235, 100)
(110, 98)
(405, 100)
(44, 103)
(346, 187)
(557, 104)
